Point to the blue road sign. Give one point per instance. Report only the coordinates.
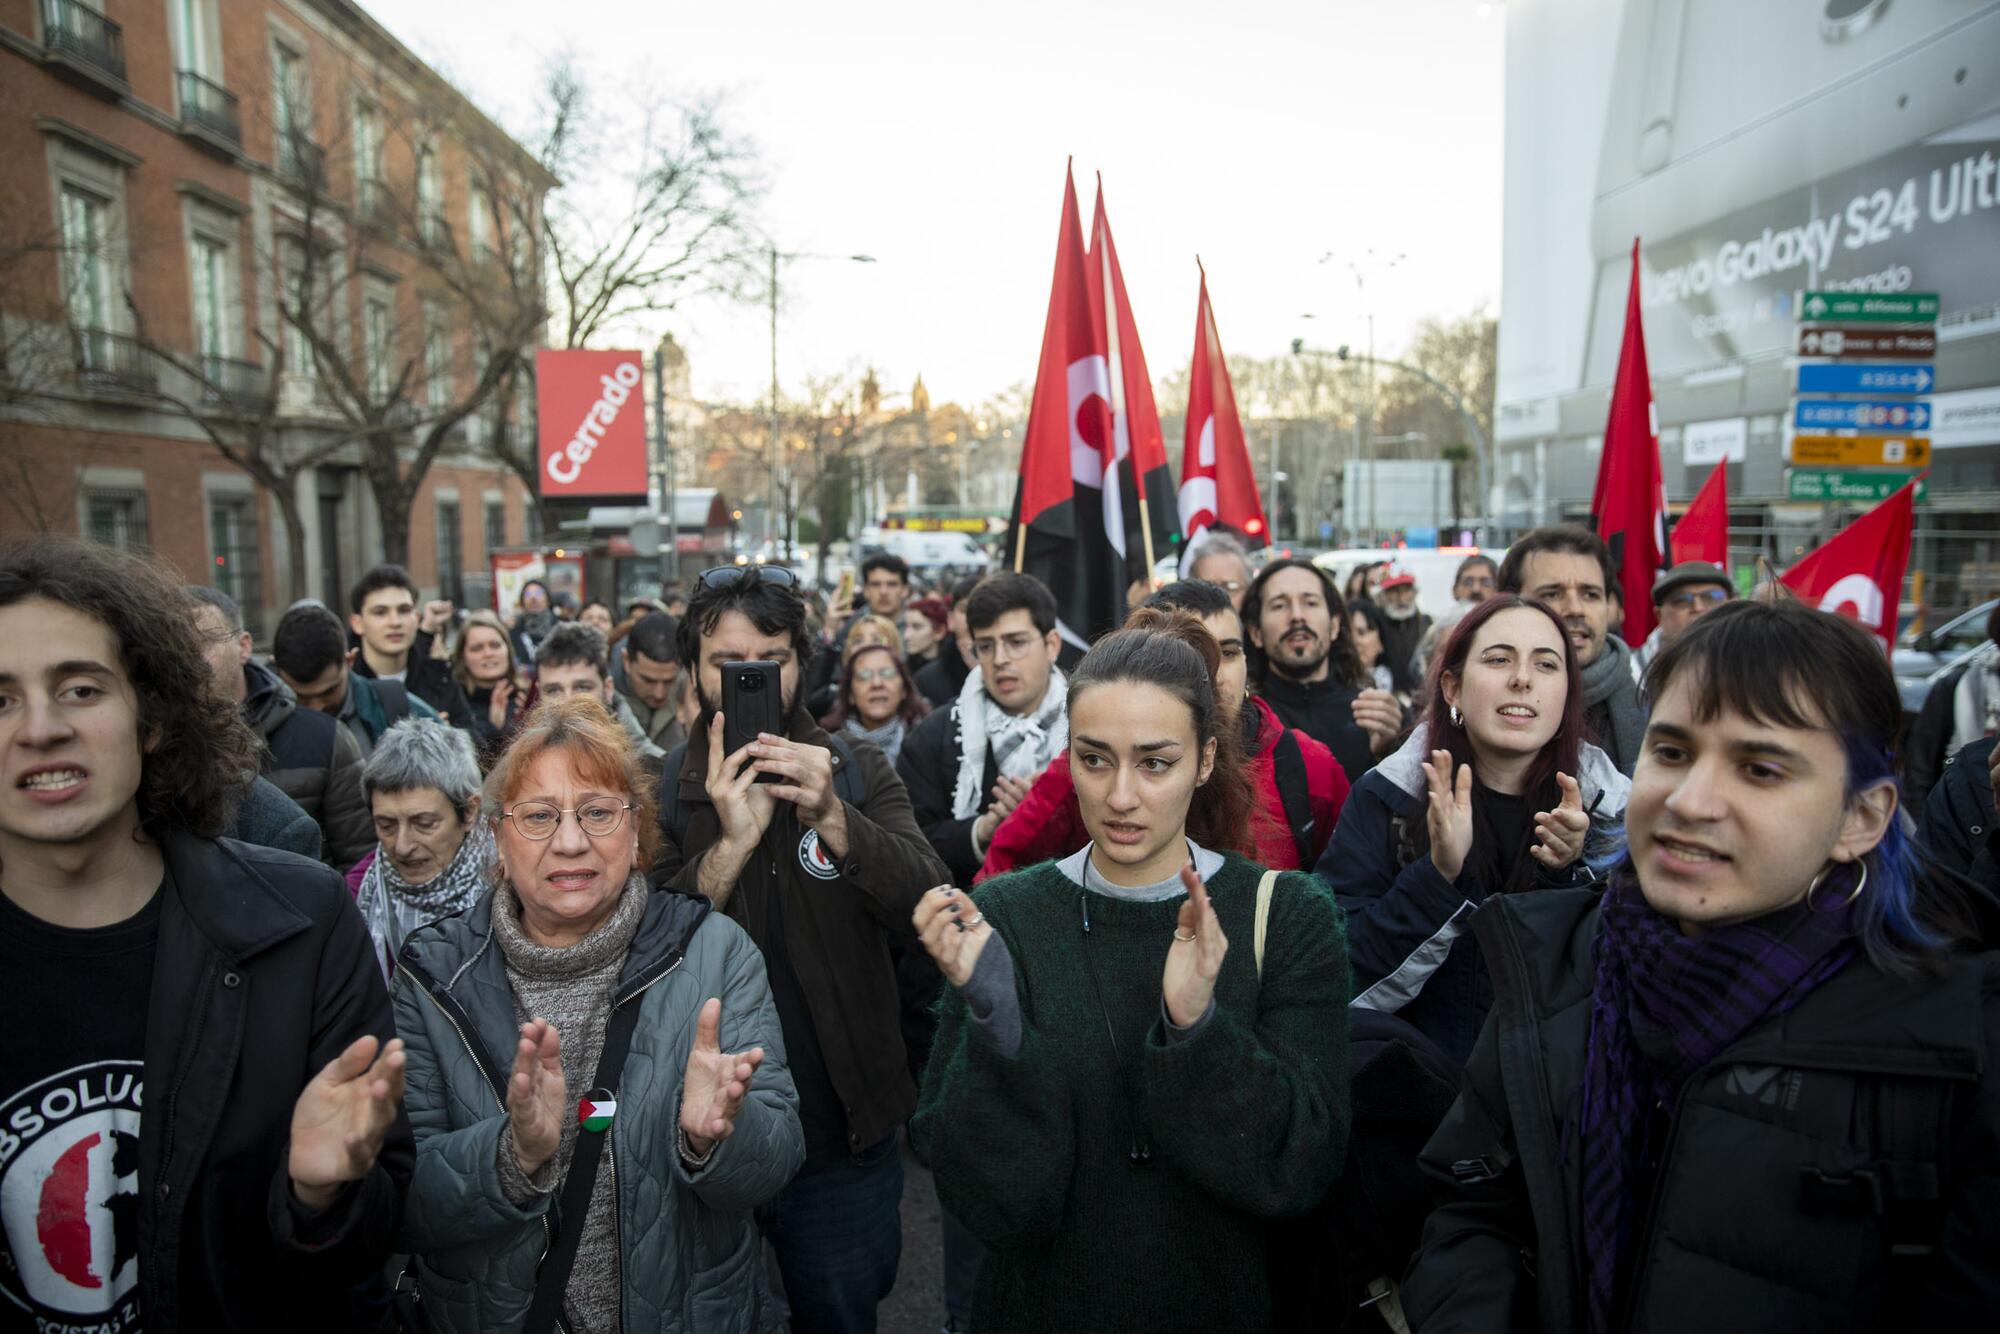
(1864, 378)
(1834, 414)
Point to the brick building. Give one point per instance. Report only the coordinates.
(257, 232)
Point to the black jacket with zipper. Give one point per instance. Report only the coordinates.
(1793, 1165)
(837, 927)
(263, 974)
(314, 761)
(1961, 827)
(430, 680)
(929, 769)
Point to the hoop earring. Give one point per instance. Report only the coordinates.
(1852, 894)
(1457, 718)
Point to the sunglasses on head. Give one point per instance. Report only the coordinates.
(726, 576)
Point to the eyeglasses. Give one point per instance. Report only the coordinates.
(539, 820)
(883, 674)
(1017, 646)
(725, 576)
(1700, 597)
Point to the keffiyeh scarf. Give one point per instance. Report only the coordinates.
(393, 907)
(1022, 745)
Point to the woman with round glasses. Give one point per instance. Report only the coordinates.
(596, 1072)
(876, 700)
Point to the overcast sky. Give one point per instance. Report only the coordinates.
(1259, 136)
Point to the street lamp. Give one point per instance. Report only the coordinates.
(779, 480)
(1484, 447)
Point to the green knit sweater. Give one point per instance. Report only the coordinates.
(1246, 1119)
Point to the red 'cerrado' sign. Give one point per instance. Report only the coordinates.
(593, 423)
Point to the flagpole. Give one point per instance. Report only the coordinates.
(1116, 364)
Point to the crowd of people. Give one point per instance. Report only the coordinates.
(1291, 958)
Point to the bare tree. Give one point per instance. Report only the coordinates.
(654, 212)
(36, 365)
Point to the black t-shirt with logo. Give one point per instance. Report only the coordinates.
(73, 1008)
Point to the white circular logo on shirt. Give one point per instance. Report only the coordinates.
(814, 859)
(69, 1194)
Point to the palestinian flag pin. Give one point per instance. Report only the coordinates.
(596, 1110)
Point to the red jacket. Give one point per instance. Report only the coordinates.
(1048, 823)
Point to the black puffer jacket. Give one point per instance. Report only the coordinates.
(1867, 1118)
(1961, 827)
(313, 760)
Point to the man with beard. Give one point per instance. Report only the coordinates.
(1305, 667)
(822, 863)
(1397, 597)
(1570, 568)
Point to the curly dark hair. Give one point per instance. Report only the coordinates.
(200, 756)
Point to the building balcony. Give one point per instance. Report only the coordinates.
(209, 114)
(233, 383)
(305, 395)
(374, 202)
(85, 46)
(108, 362)
(301, 160)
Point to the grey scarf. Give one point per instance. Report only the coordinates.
(393, 907)
(1608, 681)
(888, 738)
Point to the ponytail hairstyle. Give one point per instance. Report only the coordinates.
(1174, 651)
(1784, 664)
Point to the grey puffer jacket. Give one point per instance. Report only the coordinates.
(689, 1244)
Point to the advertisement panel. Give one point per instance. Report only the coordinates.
(593, 423)
(513, 569)
(1919, 219)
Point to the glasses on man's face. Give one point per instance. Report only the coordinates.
(724, 576)
(1016, 646)
(1697, 598)
(539, 820)
(874, 674)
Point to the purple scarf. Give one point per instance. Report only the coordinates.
(1664, 1006)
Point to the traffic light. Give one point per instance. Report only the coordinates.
(1342, 352)
(1298, 346)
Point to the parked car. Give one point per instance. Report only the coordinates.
(1919, 660)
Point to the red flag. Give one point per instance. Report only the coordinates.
(1860, 572)
(1630, 500)
(1217, 484)
(1703, 532)
(1069, 522)
(1145, 484)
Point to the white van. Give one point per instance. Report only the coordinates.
(935, 554)
(1435, 568)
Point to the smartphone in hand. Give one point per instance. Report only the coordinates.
(753, 701)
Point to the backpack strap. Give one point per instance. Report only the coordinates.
(850, 782)
(395, 701)
(1264, 888)
(1288, 768)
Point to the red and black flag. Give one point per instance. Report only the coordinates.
(1145, 483)
(1068, 527)
(1630, 498)
(1218, 487)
